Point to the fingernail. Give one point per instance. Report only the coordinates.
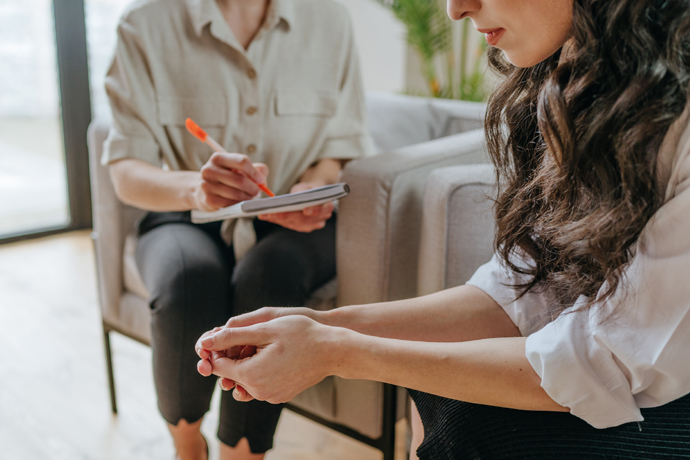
(207, 342)
(220, 384)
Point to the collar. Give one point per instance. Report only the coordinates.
(281, 10)
(203, 12)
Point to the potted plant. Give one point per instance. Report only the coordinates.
(452, 69)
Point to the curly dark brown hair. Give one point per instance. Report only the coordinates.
(577, 162)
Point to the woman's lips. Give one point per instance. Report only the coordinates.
(492, 35)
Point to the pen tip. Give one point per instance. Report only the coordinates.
(195, 130)
(266, 190)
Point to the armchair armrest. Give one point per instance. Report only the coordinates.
(457, 226)
(379, 224)
(112, 221)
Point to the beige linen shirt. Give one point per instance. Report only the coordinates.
(292, 98)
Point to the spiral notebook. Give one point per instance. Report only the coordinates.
(282, 203)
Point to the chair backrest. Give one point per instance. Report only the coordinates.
(397, 120)
(112, 221)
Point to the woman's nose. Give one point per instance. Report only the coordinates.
(460, 9)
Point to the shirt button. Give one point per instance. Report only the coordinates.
(251, 110)
(251, 73)
(251, 148)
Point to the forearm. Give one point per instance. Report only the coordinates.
(492, 372)
(151, 188)
(453, 315)
(325, 172)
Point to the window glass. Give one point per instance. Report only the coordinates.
(33, 183)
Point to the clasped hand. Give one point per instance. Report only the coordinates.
(270, 355)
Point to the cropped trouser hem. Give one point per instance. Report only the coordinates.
(260, 438)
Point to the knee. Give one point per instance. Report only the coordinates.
(186, 279)
(269, 278)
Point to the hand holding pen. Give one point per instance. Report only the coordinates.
(227, 178)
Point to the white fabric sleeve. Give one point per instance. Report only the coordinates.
(530, 312)
(606, 362)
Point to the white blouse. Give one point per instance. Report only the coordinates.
(633, 351)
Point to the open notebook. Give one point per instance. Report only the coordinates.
(283, 203)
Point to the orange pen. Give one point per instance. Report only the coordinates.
(200, 134)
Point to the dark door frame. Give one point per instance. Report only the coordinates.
(75, 103)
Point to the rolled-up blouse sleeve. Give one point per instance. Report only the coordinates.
(530, 312)
(132, 101)
(347, 134)
(631, 352)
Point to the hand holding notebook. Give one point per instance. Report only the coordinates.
(279, 204)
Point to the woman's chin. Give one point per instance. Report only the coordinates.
(524, 60)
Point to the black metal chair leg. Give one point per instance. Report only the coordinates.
(387, 440)
(109, 363)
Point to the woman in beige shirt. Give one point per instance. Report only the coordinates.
(277, 83)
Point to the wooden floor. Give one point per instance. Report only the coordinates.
(53, 393)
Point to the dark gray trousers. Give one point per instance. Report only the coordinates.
(196, 285)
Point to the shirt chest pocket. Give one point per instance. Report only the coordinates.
(305, 103)
(210, 114)
(301, 121)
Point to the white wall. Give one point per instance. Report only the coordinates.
(381, 43)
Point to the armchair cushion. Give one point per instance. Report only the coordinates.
(457, 226)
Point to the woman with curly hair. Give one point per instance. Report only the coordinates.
(585, 307)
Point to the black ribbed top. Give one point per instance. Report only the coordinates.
(458, 431)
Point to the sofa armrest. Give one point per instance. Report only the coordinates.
(457, 226)
(379, 224)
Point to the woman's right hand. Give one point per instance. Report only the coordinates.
(261, 315)
(266, 314)
(225, 180)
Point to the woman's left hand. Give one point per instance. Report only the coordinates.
(308, 219)
(291, 354)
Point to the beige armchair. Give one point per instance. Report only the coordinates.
(379, 229)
